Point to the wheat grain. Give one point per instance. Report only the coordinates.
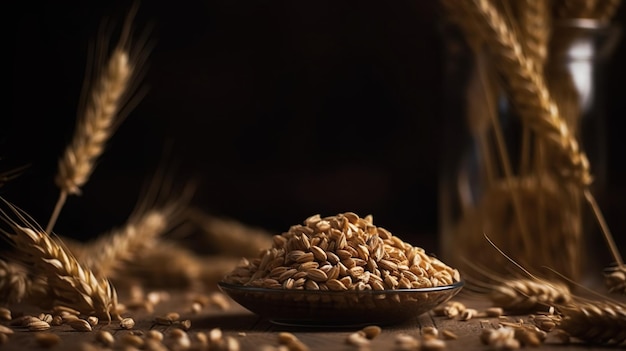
(5, 314)
(80, 325)
(371, 331)
(179, 339)
(132, 341)
(358, 339)
(127, 323)
(68, 282)
(105, 338)
(5, 330)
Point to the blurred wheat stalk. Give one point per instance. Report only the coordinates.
(533, 205)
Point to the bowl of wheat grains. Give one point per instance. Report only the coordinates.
(340, 270)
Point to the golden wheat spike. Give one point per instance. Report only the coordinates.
(102, 110)
(529, 92)
(69, 283)
(596, 322)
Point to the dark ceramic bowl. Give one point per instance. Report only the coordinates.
(339, 308)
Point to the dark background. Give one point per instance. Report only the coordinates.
(279, 109)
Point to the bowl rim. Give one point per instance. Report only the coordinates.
(255, 289)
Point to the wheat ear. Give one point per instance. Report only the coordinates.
(105, 99)
(529, 91)
(69, 283)
(108, 254)
(535, 30)
(160, 209)
(596, 322)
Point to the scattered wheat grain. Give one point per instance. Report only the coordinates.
(80, 325)
(127, 323)
(47, 340)
(105, 338)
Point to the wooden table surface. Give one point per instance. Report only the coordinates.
(254, 333)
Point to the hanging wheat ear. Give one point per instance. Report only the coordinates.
(68, 282)
(105, 102)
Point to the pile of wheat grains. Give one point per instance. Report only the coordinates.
(340, 253)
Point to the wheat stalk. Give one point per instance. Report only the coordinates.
(69, 283)
(106, 97)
